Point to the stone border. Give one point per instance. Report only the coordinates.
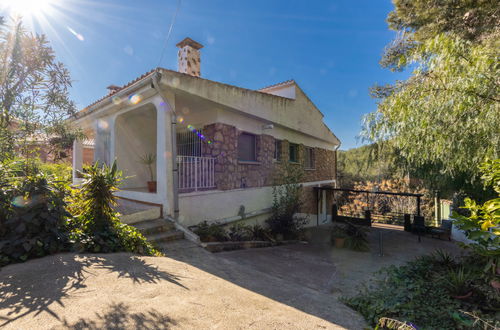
(215, 247)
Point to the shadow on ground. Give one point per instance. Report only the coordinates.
(35, 291)
(118, 317)
(311, 277)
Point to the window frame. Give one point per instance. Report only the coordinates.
(309, 158)
(278, 150)
(296, 153)
(254, 159)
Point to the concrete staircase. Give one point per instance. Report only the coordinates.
(159, 231)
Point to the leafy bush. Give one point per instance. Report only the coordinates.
(60, 171)
(97, 227)
(213, 232)
(259, 233)
(287, 201)
(32, 213)
(357, 238)
(482, 225)
(339, 231)
(419, 292)
(239, 232)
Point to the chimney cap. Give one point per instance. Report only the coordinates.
(189, 42)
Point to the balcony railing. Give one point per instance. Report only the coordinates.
(196, 173)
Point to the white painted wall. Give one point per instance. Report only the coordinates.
(287, 91)
(217, 204)
(135, 136)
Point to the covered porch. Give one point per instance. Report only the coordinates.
(140, 138)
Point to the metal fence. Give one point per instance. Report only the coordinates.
(196, 173)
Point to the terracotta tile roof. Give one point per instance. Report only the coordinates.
(130, 83)
(116, 90)
(280, 84)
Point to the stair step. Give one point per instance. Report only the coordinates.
(154, 226)
(169, 236)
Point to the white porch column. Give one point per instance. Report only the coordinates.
(103, 128)
(164, 169)
(77, 158)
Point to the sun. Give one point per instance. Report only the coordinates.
(27, 8)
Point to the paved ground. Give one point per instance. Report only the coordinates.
(287, 287)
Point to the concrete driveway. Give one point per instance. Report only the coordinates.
(288, 287)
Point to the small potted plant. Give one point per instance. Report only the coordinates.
(149, 160)
(339, 235)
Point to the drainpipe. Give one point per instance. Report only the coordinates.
(336, 160)
(173, 129)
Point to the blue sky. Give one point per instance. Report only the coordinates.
(331, 48)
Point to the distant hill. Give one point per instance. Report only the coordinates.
(363, 164)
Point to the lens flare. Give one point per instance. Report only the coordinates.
(134, 98)
(116, 100)
(180, 119)
(102, 124)
(76, 34)
(20, 201)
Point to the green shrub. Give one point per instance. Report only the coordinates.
(287, 201)
(97, 228)
(32, 213)
(240, 232)
(60, 171)
(357, 238)
(259, 233)
(420, 292)
(213, 232)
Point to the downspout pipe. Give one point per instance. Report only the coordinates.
(155, 83)
(336, 163)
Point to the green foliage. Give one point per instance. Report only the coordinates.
(97, 228)
(372, 162)
(339, 231)
(419, 292)
(357, 238)
(387, 323)
(32, 214)
(60, 171)
(239, 232)
(482, 225)
(287, 201)
(459, 282)
(444, 118)
(34, 94)
(213, 232)
(149, 160)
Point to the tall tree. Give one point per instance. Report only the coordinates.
(445, 117)
(34, 97)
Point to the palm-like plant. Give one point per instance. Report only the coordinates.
(97, 195)
(149, 160)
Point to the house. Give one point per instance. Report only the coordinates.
(216, 145)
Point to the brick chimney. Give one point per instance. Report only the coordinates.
(189, 57)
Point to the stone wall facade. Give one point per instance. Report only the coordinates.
(230, 173)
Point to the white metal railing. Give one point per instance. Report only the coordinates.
(196, 172)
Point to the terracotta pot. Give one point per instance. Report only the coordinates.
(339, 242)
(152, 186)
(465, 296)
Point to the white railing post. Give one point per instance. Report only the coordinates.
(196, 172)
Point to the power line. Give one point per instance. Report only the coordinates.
(169, 31)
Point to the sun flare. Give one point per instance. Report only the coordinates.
(27, 8)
